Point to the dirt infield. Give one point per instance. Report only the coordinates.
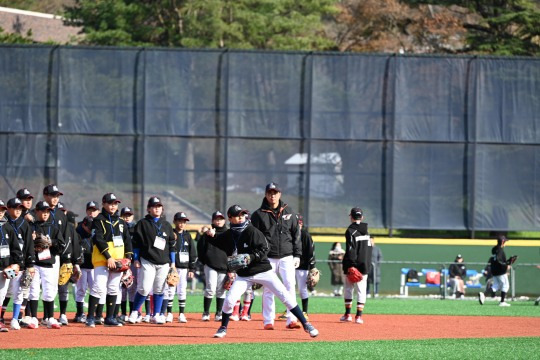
(376, 327)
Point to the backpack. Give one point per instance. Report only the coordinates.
(433, 277)
(412, 275)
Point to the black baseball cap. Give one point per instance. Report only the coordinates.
(501, 240)
(14, 203)
(3, 205)
(217, 214)
(180, 216)
(236, 210)
(43, 205)
(459, 257)
(71, 216)
(154, 201)
(356, 213)
(272, 186)
(110, 198)
(24, 193)
(52, 189)
(126, 210)
(92, 205)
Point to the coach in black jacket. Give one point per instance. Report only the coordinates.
(277, 221)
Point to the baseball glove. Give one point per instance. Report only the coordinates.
(127, 279)
(26, 279)
(354, 275)
(76, 275)
(65, 273)
(228, 282)
(122, 265)
(313, 278)
(511, 260)
(237, 262)
(9, 273)
(172, 277)
(42, 242)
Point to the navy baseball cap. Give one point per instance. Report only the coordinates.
(356, 213)
(217, 215)
(92, 205)
(154, 201)
(3, 205)
(272, 186)
(24, 194)
(180, 216)
(52, 189)
(126, 210)
(236, 210)
(71, 216)
(14, 203)
(110, 198)
(43, 205)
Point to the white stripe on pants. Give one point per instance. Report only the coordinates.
(285, 268)
(269, 280)
(151, 277)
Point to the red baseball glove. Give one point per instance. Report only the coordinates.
(354, 275)
(122, 265)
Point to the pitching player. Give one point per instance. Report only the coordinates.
(46, 273)
(23, 231)
(185, 257)
(499, 269)
(214, 260)
(11, 257)
(111, 242)
(357, 254)
(244, 238)
(276, 220)
(154, 247)
(307, 262)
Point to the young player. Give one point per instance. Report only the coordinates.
(154, 247)
(46, 274)
(357, 255)
(307, 262)
(11, 257)
(111, 242)
(128, 294)
(499, 269)
(214, 260)
(244, 238)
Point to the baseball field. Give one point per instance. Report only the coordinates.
(394, 328)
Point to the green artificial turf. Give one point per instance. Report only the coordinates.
(502, 348)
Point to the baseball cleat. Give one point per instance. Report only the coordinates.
(269, 327)
(132, 319)
(111, 322)
(358, 320)
(121, 320)
(293, 325)
(222, 331)
(53, 324)
(205, 317)
(245, 318)
(158, 319)
(15, 324)
(63, 319)
(91, 322)
(35, 322)
(504, 304)
(3, 328)
(218, 317)
(310, 329)
(146, 319)
(182, 318)
(282, 316)
(100, 320)
(346, 318)
(169, 318)
(234, 317)
(481, 298)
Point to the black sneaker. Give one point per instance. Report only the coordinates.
(222, 331)
(91, 322)
(99, 320)
(310, 329)
(120, 320)
(111, 322)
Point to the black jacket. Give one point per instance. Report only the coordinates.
(26, 242)
(210, 254)
(85, 243)
(250, 241)
(59, 219)
(498, 261)
(184, 243)
(307, 260)
(9, 238)
(71, 239)
(57, 241)
(144, 236)
(104, 227)
(280, 227)
(357, 248)
(457, 269)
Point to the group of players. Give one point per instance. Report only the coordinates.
(272, 239)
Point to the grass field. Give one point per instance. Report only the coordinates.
(511, 348)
